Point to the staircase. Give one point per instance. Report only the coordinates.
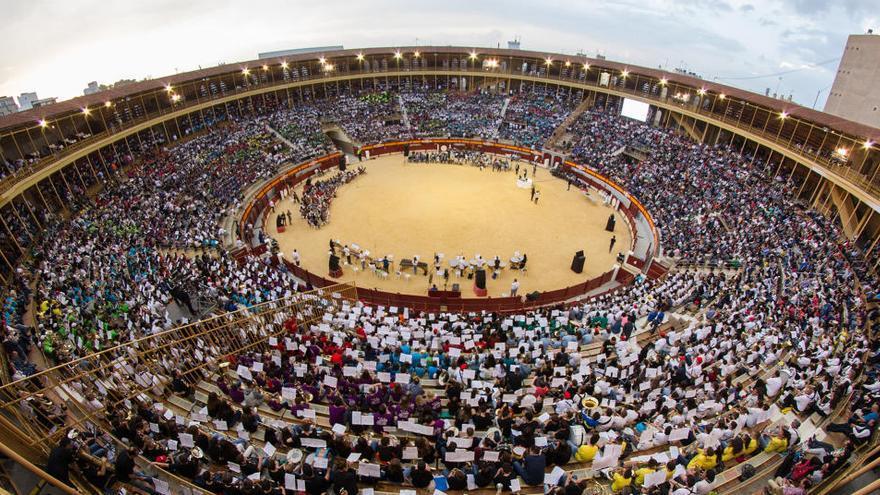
(571, 119)
(500, 120)
(504, 108)
(280, 137)
(404, 114)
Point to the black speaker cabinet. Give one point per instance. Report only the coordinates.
(609, 226)
(577, 263)
(334, 263)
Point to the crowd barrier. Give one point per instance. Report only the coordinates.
(257, 210)
(464, 305)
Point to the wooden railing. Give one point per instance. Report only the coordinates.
(119, 375)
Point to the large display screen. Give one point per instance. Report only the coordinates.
(635, 109)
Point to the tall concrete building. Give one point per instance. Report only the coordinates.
(92, 88)
(26, 100)
(855, 94)
(7, 105)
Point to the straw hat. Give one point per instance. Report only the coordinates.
(294, 456)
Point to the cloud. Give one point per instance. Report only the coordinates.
(85, 40)
(814, 8)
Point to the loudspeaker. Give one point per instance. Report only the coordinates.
(577, 263)
(579, 254)
(456, 288)
(334, 263)
(609, 226)
(480, 282)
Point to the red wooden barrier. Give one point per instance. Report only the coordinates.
(255, 213)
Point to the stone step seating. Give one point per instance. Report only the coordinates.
(582, 470)
(730, 476)
(430, 385)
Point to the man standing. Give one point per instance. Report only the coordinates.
(613, 240)
(295, 257)
(514, 287)
(537, 196)
(533, 193)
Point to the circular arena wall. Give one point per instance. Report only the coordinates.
(257, 208)
(833, 162)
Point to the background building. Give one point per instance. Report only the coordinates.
(92, 88)
(855, 94)
(42, 102)
(299, 51)
(26, 100)
(7, 105)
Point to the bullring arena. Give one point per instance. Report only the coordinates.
(459, 210)
(211, 283)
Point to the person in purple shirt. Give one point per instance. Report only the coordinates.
(236, 394)
(337, 412)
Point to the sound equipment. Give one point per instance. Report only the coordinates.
(577, 263)
(481, 279)
(456, 287)
(334, 263)
(610, 225)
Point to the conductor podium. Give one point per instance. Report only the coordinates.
(334, 268)
(577, 263)
(480, 283)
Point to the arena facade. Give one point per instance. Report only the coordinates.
(162, 337)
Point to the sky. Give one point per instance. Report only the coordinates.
(55, 47)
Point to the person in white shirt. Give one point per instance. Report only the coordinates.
(514, 286)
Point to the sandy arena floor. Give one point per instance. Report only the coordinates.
(405, 209)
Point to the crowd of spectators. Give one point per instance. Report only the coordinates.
(531, 117)
(453, 114)
(318, 194)
(367, 118)
(108, 274)
(658, 404)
